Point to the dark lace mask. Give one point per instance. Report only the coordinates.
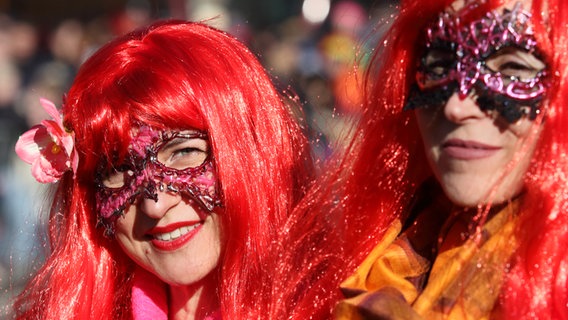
(497, 56)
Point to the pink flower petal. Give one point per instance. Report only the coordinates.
(51, 109)
(55, 130)
(60, 136)
(43, 172)
(48, 147)
(67, 142)
(26, 147)
(56, 156)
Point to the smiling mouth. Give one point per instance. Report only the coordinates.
(169, 236)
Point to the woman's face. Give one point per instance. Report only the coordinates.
(171, 228)
(479, 146)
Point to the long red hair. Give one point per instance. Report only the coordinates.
(173, 75)
(372, 183)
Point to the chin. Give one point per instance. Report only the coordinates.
(476, 198)
(185, 276)
(472, 189)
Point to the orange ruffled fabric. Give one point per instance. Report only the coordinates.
(463, 282)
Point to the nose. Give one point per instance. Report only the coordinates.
(459, 110)
(156, 209)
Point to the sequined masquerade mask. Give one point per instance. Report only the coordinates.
(497, 56)
(165, 161)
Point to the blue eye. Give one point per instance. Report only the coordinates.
(184, 152)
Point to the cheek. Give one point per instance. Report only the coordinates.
(124, 239)
(128, 247)
(521, 129)
(125, 244)
(124, 225)
(124, 233)
(217, 233)
(524, 136)
(430, 129)
(424, 118)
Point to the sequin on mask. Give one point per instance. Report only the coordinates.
(144, 173)
(467, 48)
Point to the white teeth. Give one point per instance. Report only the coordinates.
(176, 233)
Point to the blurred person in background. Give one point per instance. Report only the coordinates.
(18, 237)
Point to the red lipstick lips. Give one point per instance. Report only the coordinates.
(175, 235)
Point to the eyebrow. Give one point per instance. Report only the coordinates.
(525, 56)
(182, 138)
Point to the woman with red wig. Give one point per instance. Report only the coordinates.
(176, 161)
(451, 201)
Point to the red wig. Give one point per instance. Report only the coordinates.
(170, 75)
(373, 182)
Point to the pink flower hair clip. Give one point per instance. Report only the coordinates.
(48, 147)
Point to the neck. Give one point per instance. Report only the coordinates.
(195, 301)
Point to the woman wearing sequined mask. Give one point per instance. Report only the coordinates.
(452, 194)
(176, 162)
(477, 216)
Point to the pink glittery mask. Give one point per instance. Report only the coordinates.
(164, 161)
(461, 57)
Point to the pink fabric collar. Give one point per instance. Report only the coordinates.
(150, 298)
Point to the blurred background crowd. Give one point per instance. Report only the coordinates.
(315, 49)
